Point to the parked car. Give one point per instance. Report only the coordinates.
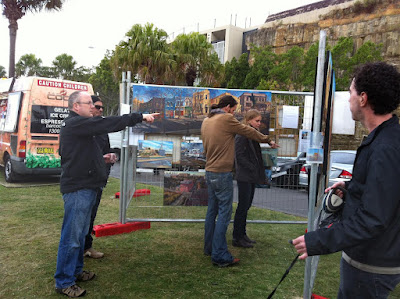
(342, 163)
(286, 171)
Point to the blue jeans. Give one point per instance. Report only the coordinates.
(220, 198)
(355, 283)
(77, 210)
(89, 238)
(246, 194)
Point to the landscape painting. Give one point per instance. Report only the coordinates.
(154, 154)
(185, 188)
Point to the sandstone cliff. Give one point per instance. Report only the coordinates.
(379, 24)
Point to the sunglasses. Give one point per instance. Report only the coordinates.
(98, 107)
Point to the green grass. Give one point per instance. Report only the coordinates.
(165, 261)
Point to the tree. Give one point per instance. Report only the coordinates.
(212, 71)
(309, 67)
(341, 59)
(236, 71)
(81, 74)
(368, 52)
(64, 66)
(145, 53)
(47, 71)
(288, 69)
(263, 62)
(105, 84)
(2, 72)
(28, 65)
(190, 52)
(14, 10)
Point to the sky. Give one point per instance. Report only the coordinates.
(86, 29)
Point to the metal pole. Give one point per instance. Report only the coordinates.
(308, 284)
(122, 157)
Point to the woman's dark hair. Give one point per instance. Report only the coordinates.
(381, 82)
(226, 100)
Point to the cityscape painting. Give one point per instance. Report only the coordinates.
(182, 109)
(192, 155)
(185, 188)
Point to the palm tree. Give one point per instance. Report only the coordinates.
(190, 52)
(2, 71)
(64, 66)
(28, 65)
(14, 10)
(144, 53)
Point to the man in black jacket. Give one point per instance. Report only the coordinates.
(83, 173)
(104, 144)
(369, 234)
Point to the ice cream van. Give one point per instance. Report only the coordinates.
(31, 112)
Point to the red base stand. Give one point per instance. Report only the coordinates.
(116, 228)
(138, 192)
(313, 296)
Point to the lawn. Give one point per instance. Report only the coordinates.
(165, 261)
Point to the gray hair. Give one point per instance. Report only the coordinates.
(73, 98)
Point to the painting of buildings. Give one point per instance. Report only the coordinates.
(182, 109)
(185, 188)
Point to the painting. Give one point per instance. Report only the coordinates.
(192, 155)
(182, 109)
(185, 188)
(154, 154)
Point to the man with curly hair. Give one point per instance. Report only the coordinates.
(369, 233)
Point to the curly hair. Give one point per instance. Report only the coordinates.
(381, 82)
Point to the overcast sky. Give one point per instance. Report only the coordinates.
(85, 29)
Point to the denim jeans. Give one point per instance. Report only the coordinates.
(355, 283)
(89, 238)
(246, 194)
(77, 210)
(220, 197)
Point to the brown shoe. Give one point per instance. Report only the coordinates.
(93, 253)
(85, 276)
(72, 291)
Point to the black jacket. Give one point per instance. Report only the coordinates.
(82, 160)
(249, 166)
(370, 230)
(103, 141)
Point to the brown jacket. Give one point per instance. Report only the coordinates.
(218, 134)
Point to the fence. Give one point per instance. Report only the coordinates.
(284, 194)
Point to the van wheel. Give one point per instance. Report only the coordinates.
(9, 174)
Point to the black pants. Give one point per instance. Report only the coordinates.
(246, 194)
(89, 238)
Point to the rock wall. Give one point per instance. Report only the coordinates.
(381, 25)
